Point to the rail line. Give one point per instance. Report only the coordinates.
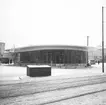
(63, 99)
(57, 80)
(23, 90)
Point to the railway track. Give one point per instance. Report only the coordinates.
(27, 88)
(52, 97)
(71, 97)
(55, 80)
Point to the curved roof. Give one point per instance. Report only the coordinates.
(2, 43)
(50, 47)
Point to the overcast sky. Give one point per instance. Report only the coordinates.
(43, 22)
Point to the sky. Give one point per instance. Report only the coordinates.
(51, 22)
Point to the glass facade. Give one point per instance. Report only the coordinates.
(53, 56)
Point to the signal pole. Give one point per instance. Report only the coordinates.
(103, 39)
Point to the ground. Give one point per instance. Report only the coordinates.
(13, 74)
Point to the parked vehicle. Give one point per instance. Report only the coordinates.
(5, 60)
(92, 62)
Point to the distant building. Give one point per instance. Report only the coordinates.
(7, 57)
(55, 55)
(95, 53)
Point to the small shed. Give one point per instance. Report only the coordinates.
(38, 70)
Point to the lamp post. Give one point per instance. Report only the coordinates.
(103, 39)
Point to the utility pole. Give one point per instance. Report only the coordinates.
(87, 49)
(103, 39)
(87, 40)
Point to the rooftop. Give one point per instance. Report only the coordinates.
(47, 47)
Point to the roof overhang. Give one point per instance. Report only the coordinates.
(35, 48)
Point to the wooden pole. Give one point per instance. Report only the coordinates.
(103, 39)
(87, 49)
